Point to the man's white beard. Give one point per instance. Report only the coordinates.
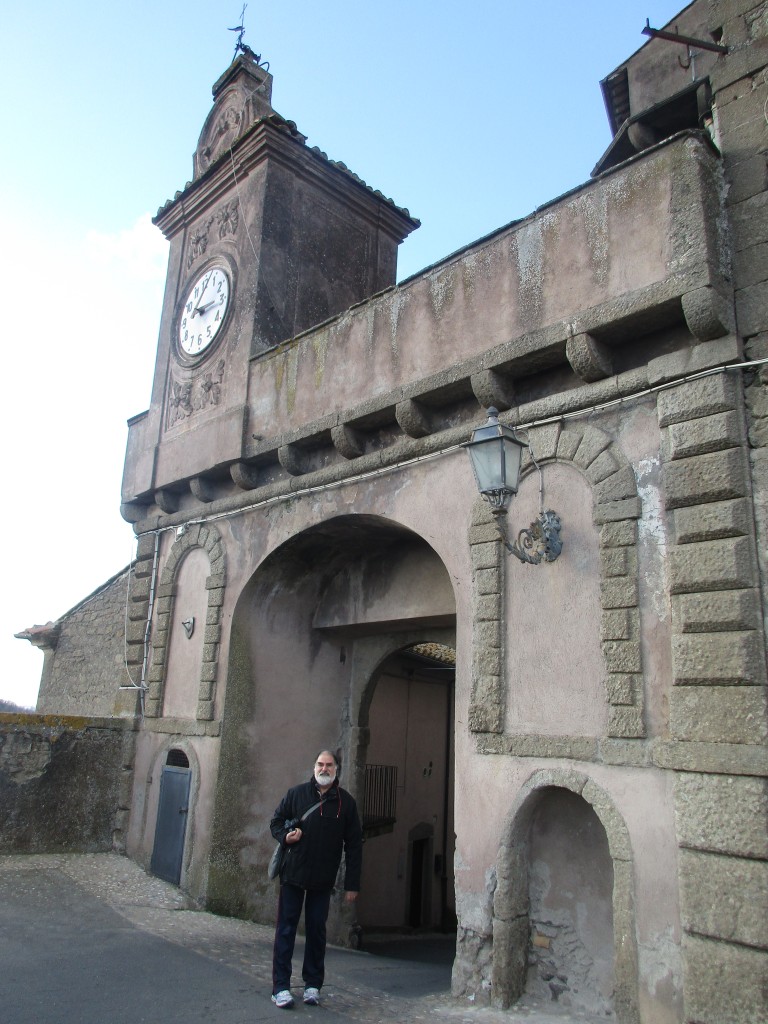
(324, 779)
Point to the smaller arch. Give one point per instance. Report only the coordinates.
(616, 507)
(177, 758)
(209, 539)
(173, 753)
(511, 898)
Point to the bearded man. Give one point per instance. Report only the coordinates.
(315, 823)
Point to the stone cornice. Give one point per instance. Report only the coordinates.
(404, 450)
(275, 139)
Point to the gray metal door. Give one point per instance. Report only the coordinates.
(171, 823)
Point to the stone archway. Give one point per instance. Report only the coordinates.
(512, 902)
(307, 633)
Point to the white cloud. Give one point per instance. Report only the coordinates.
(82, 314)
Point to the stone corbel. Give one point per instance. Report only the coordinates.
(492, 388)
(291, 459)
(347, 441)
(413, 418)
(246, 477)
(590, 359)
(641, 136)
(167, 501)
(133, 511)
(202, 489)
(708, 314)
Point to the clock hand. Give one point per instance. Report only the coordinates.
(203, 309)
(198, 308)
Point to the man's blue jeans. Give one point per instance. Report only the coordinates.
(316, 903)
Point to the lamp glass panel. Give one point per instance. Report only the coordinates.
(513, 452)
(496, 463)
(486, 462)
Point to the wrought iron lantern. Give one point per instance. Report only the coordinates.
(495, 452)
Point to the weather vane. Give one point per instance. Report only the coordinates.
(240, 46)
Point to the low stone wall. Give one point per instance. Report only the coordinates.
(65, 783)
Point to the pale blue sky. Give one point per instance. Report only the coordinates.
(469, 115)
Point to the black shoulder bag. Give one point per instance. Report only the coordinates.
(278, 857)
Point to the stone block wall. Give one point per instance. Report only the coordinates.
(718, 696)
(740, 87)
(82, 675)
(714, 447)
(65, 783)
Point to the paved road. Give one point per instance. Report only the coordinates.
(92, 939)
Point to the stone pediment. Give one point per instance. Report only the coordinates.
(242, 96)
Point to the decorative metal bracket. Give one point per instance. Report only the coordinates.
(540, 542)
(189, 626)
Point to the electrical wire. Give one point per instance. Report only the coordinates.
(133, 684)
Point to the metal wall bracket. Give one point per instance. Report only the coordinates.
(540, 542)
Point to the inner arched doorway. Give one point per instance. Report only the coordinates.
(408, 793)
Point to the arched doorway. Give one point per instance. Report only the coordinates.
(409, 720)
(172, 815)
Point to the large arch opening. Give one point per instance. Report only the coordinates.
(325, 617)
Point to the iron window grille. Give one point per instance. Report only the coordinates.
(380, 798)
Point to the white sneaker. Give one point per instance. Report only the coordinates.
(283, 999)
(312, 996)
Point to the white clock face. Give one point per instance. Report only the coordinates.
(204, 311)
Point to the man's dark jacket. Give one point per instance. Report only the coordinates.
(330, 829)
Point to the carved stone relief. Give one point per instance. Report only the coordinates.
(198, 241)
(228, 218)
(225, 131)
(189, 397)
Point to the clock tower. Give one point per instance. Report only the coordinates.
(269, 239)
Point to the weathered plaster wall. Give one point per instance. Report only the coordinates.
(571, 912)
(551, 270)
(185, 652)
(552, 619)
